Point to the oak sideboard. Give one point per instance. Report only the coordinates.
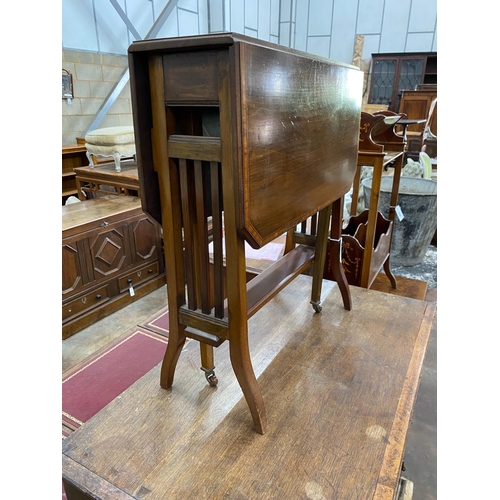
(111, 255)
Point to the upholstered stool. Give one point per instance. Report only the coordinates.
(117, 142)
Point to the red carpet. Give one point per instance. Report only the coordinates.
(158, 323)
(99, 379)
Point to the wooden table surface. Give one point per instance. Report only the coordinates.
(107, 172)
(76, 215)
(339, 388)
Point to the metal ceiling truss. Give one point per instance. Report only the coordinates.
(124, 77)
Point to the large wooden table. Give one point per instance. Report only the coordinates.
(103, 179)
(339, 387)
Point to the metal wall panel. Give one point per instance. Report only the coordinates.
(251, 14)
(319, 45)
(345, 16)
(140, 13)
(113, 35)
(171, 26)
(419, 42)
(191, 5)
(78, 26)
(422, 16)
(371, 46)
(388, 25)
(188, 22)
(395, 26)
(320, 18)
(370, 15)
(237, 17)
(302, 9)
(216, 16)
(264, 20)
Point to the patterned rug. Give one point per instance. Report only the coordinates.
(96, 381)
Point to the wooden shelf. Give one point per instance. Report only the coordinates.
(73, 156)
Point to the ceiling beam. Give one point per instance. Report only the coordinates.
(124, 77)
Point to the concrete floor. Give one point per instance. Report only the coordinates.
(421, 451)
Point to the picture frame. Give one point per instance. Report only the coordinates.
(67, 84)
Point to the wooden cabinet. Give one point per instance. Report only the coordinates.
(73, 156)
(111, 255)
(392, 73)
(416, 104)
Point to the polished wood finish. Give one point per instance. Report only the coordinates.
(407, 287)
(404, 77)
(111, 256)
(340, 412)
(73, 156)
(417, 104)
(255, 138)
(103, 180)
(366, 241)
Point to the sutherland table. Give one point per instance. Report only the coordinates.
(340, 411)
(261, 135)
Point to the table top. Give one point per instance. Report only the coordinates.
(411, 121)
(107, 172)
(95, 210)
(73, 148)
(289, 126)
(339, 389)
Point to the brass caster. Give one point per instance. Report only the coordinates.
(210, 376)
(317, 308)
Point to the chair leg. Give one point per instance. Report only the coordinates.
(90, 157)
(116, 157)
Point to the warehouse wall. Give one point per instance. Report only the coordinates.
(95, 38)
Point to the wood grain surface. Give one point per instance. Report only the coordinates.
(339, 389)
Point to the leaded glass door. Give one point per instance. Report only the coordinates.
(391, 74)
